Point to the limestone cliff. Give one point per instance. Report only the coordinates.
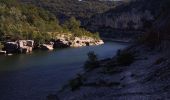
(134, 15)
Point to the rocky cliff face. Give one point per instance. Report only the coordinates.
(134, 15)
(20, 46)
(125, 20)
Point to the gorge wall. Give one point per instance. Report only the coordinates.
(137, 15)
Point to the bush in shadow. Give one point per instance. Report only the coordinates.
(76, 83)
(111, 68)
(92, 62)
(125, 58)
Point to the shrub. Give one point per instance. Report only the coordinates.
(1, 46)
(76, 83)
(125, 58)
(92, 61)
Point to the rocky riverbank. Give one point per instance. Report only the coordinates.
(144, 78)
(70, 41)
(60, 41)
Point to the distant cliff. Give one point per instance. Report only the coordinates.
(137, 15)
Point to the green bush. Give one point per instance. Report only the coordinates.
(125, 58)
(92, 62)
(74, 26)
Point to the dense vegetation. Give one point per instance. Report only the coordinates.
(79, 9)
(22, 21)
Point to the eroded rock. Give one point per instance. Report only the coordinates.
(70, 41)
(20, 46)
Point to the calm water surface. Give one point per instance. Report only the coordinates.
(33, 77)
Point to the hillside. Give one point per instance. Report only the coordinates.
(136, 15)
(23, 21)
(67, 8)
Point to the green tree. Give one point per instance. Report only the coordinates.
(72, 24)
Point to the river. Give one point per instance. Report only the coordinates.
(34, 76)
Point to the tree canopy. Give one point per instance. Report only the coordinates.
(26, 21)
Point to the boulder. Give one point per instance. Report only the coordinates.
(46, 47)
(25, 46)
(11, 47)
(20, 46)
(61, 44)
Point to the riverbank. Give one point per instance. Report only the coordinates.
(61, 41)
(145, 78)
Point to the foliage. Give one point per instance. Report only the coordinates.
(67, 8)
(25, 21)
(21, 21)
(73, 25)
(92, 62)
(125, 58)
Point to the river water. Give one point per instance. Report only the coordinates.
(34, 76)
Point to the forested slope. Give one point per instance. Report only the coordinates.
(79, 9)
(27, 21)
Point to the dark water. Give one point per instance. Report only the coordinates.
(33, 77)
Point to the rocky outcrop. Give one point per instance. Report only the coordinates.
(48, 46)
(20, 46)
(2, 52)
(62, 41)
(69, 41)
(26, 46)
(85, 41)
(11, 47)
